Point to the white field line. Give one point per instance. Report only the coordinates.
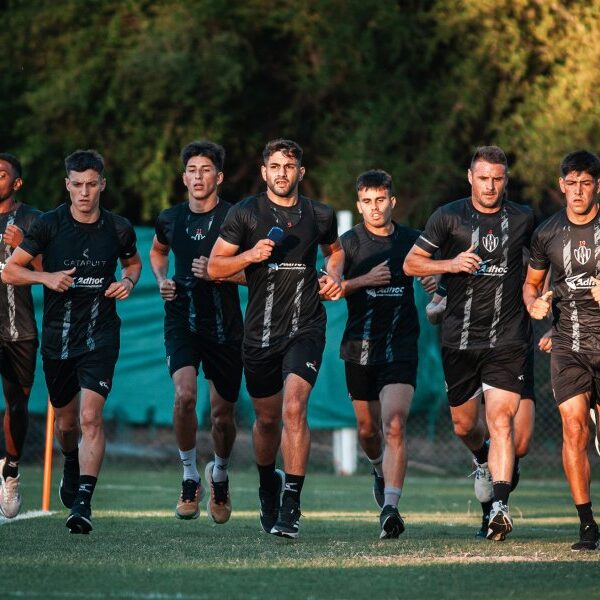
(123, 595)
(31, 514)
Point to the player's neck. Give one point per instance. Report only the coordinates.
(204, 205)
(489, 210)
(287, 201)
(85, 217)
(382, 231)
(8, 205)
(585, 218)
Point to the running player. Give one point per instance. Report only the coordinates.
(379, 346)
(274, 237)
(203, 324)
(480, 241)
(18, 335)
(569, 244)
(81, 244)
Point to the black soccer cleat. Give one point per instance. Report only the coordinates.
(68, 487)
(378, 489)
(391, 523)
(270, 503)
(588, 538)
(481, 534)
(80, 518)
(288, 522)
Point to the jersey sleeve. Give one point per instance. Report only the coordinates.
(160, 229)
(235, 225)
(327, 224)
(38, 236)
(434, 234)
(538, 258)
(127, 238)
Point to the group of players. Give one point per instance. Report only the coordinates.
(478, 245)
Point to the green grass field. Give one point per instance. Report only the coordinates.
(139, 550)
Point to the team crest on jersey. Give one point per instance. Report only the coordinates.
(583, 253)
(490, 241)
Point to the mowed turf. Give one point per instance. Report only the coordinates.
(139, 550)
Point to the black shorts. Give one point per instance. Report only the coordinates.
(573, 374)
(466, 371)
(266, 369)
(93, 370)
(17, 361)
(365, 382)
(528, 390)
(221, 363)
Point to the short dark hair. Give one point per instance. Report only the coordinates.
(579, 162)
(374, 179)
(212, 151)
(490, 154)
(13, 161)
(82, 160)
(288, 148)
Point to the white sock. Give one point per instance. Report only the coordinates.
(392, 496)
(377, 464)
(188, 459)
(219, 471)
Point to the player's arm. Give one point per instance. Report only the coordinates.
(538, 304)
(17, 271)
(224, 260)
(131, 269)
(419, 263)
(200, 270)
(379, 275)
(159, 263)
(330, 286)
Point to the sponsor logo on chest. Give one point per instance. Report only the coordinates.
(488, 270)
(286, 266)
(389, 292)
(84, 261)
(582, 281)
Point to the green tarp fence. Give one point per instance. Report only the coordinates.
(142, 391)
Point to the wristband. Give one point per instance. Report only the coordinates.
(131, 280)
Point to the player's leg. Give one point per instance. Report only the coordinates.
(362, 391)
(574, 414)
(395, 401)
(523, 429)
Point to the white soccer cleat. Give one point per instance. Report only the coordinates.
(484, 490)
(10, 495)
(500, 524)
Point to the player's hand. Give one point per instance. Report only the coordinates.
(465, 262)
(545, 343)
(542, 306)
(200, 268)
(261, 251)
(13, 236)
(429, 283)
(59, 281)
(435, 311)
(330, 288)
(379, 275)
(596, 290)
(168, 290)
(119, 289)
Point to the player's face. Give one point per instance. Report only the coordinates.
(488, 182)
(376, 205)
(201, 178)
(84, 189)
(580, 190)
(282, 174)
(9, 184)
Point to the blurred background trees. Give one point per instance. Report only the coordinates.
(409, 86)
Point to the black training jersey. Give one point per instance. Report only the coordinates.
(573, 253)
(204, 307)
(283, 291)
(484, 310)
(17, 321)
(382, 326)
(82, 318)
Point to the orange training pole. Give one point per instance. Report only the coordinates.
(48, 459)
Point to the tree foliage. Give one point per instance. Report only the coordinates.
(412, 87)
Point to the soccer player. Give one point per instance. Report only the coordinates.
(203, 324)
(18, 335)
(569, 244)
(524, 419)
(274, 237)
(81, 244)
(480, 242)
(379, 345)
